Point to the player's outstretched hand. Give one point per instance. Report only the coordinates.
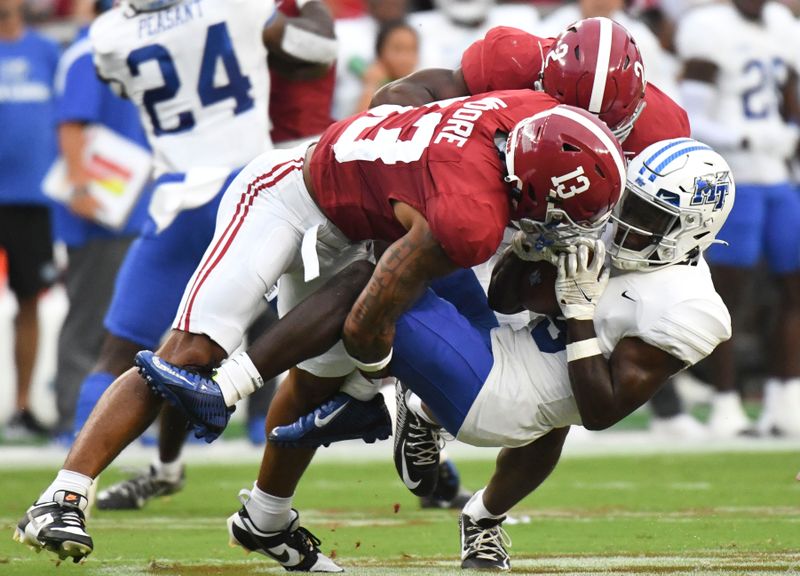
(581, 278)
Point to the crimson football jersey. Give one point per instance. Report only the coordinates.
(440, 158)
(509, 59)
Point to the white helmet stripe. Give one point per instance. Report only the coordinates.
(611, 146)
(601, 70)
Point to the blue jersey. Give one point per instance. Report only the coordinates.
(82, 97)
(27, 140)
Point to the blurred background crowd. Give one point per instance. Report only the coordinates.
(53, 297)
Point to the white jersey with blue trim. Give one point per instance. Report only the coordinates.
(753, 59)
(528, 392)
(197, 71)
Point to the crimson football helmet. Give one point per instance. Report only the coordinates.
(595, 64)
(567, 170)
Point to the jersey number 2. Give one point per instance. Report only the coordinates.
(218, 48)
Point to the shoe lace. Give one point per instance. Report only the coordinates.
(72, 517)
(306, 541)
(424, 442)
(487, 543)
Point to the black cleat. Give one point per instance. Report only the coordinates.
(294, 548)
(58, 526)
(448, 493)
(417, 445)
(483, 544)
(133, 493)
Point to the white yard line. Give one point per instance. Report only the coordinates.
(583, 444)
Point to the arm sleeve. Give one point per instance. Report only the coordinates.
(691, 330)
(505, 59)
(80, 96)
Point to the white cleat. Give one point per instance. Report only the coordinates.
(728, 419)
(681, 426)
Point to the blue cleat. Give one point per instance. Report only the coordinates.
(340, 418)
(198, 397)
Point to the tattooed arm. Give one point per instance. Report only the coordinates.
(401, 275)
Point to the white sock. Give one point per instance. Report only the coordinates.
(359, 387)
(475, 508)
(169, 471)
(69, 481)
(414, 404)
(269, 513)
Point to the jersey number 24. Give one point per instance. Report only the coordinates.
(218, 47)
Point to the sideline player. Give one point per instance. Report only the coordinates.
(403, 175)
(740, 90)
(197, 72)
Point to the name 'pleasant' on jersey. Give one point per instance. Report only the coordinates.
(460, 125)
(168, 18)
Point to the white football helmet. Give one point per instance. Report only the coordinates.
(467, 12)
(677, 196)
(151, 5)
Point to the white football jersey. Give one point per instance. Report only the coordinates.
(528, 392)
(442, 42)
(753, 61)
(197, 71)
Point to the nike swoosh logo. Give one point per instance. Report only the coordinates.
(625, 295)
(285, 555)
(410, 484)
(584, 294)
(320, 422)
(168, 369)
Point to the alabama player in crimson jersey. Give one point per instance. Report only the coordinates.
(300, 99)
(438, 183)
(604, 75)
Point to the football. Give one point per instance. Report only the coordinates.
(538, 288)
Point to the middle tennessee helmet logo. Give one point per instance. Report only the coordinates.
(711, 189)
(580, 183)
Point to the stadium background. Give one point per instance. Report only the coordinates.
(625, 500)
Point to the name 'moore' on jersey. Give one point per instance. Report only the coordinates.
(510, 59)
(528, 391)
(753, 61)
(197, 71)
(440, 159)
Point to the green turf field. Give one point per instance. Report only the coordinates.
(736, 513)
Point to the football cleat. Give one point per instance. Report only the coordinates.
(417, 445)
(483, 544)
(448, 493)
(58, 526)
(294, 547)
(198, 397)
(340, 418)
(133, 493)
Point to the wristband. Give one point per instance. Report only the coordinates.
(372, 366)
(583, 349)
